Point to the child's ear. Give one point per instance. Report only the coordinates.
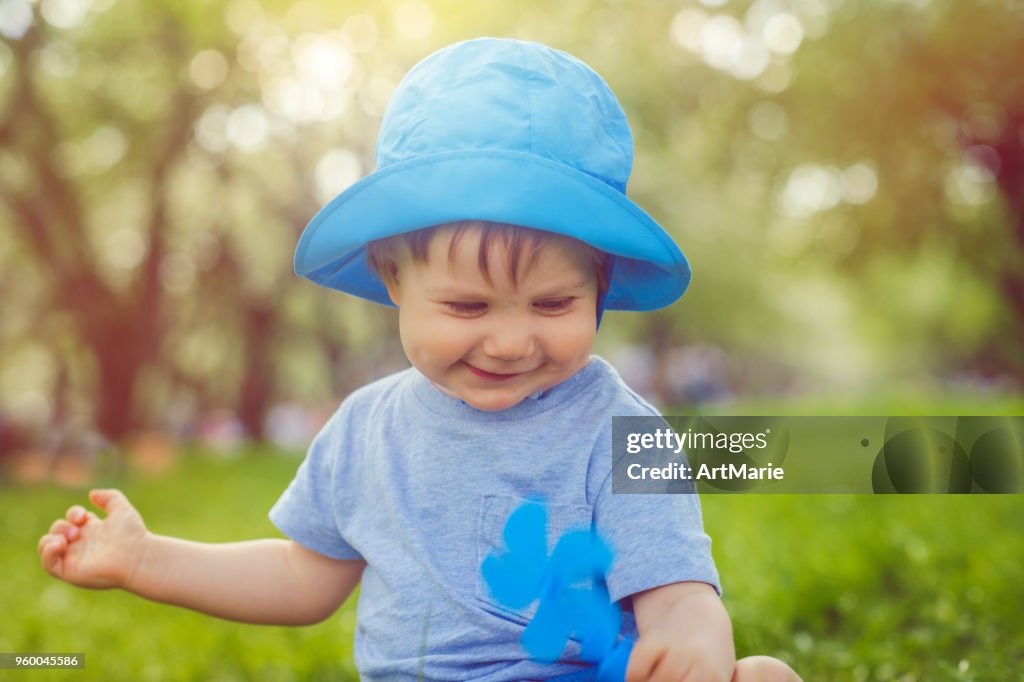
(391, 282)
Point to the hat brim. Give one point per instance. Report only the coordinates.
(649, 272)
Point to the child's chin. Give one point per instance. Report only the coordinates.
(493, 403)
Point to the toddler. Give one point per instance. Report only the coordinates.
(497, 223)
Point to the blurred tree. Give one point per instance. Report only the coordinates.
(154, 178)
(927, 95)
(840, 173)
(122, 329)
(845, 177)
(98, 215)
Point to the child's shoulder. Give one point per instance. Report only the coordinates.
(611, 396)
(594, 411)
(369, 397)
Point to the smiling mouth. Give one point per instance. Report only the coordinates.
(491, 376)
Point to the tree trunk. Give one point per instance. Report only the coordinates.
(257, 387)
(1009, 174)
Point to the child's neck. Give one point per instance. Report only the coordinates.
(532, 396)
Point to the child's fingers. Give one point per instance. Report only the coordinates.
(49, 537)
(65, 529)
(643, 661)
(51, 553)
(109, 500)
(77, 514)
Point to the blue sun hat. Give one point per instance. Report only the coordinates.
(506, 131)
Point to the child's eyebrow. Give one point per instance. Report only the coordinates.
(562, 288)
(454, 291)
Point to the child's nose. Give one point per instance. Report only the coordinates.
(509, 341)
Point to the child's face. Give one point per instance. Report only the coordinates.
(493, 344)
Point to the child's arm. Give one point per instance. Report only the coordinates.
(685, 634)
(260, 581)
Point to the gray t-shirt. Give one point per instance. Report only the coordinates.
(419, 485)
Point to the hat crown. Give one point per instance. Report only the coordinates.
(509, 96)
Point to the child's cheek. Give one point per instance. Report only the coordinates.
(575, 340)
(430, 338)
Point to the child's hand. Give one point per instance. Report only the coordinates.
(656, 658)
(685, 635)
(87, 551)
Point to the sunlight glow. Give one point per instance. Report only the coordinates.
(972, 181)
(315, 83)
(208, 69)
(336, 170)
(58, 58)
(322, 61)
(15, 18)
(783, 33)
(361, 31)
(767, 36)
(99, 152)
(247, 127)
(414, 19)
(124, 248)
(686, 27)
(721, 42)
(374, 96)
(64, 14)
(752, 59)
(240, 15)
(811, 188)
(211, 129)
(861, 183)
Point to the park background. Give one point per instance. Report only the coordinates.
(846, 176)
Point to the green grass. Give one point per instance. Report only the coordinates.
(843, 587)
(861, 587)
(127, 638)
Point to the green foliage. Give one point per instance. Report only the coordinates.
(158, 140)
(843, 587)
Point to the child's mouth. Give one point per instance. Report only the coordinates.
(491, 376)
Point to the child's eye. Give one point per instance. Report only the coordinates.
(465, 308)
(556, 305)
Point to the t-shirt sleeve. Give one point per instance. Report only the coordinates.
(656, 539)
(305, 512)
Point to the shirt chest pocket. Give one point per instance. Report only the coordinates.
(494, 513)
